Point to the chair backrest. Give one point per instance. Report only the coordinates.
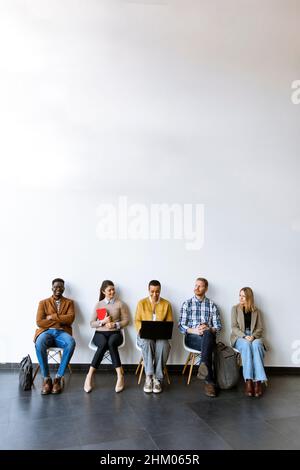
(187, 348)
(94, 347)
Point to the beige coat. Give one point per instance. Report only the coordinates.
(238, 324)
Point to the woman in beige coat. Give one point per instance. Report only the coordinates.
(247, 338)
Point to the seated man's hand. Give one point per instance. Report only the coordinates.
(111, 325)
(49, 317)
(203, 327)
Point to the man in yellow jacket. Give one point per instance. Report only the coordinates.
(155, 352)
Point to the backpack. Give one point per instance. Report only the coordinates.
(25, 374)
(227, 369)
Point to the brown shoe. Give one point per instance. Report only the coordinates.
(57, 387)
(47, 386)
(249, 388)
(258, 389)
(210, 390)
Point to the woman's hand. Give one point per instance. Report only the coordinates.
(249, 338)
(106, 320)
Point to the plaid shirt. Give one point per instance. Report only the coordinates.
(195, 311)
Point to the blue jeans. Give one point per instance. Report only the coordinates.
(205, 344)
(54, 338)
(253, 358)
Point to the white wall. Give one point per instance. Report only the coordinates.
(183, 101)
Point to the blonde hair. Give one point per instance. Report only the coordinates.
(249, 305)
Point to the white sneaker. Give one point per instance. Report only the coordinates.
(148, 387)
(156, 386)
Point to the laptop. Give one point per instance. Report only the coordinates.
(156, 329)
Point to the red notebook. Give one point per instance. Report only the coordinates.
(101, 313)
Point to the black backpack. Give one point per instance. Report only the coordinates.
(25, 374)
(226, 365)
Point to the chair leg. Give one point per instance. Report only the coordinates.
(141, 373)
(70, 368)
(191, 367)
(186, 364)
(35, 373)
(167, 375)
(139, 365)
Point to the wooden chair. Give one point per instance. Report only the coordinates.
(52, 352)
(106, 356)
(193, 358)
(140, 367)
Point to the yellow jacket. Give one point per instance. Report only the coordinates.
(163, 311)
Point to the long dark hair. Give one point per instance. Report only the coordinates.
(104, 285)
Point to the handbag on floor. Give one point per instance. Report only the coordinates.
(226, 365)
(25, 374)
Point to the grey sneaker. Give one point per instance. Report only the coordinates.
(148, 387)
(156, 386)
(202, 371)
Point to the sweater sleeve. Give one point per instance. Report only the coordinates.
(124, 315)
(169, 316)
(138, 316)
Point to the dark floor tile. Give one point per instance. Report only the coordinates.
(39, 407)
(143, 441)
(4, 412)
(97, 401)
(106, 426)
(159, 417)
(195, 437)
(253, 435)
(238, 411)
(78, 447)
(49, 433)
(288, 427)
(280, 405)
(181, 417)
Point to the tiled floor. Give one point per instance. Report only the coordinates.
(180, 418)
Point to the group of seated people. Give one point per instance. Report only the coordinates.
(199, 321)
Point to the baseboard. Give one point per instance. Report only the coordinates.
(172, 368)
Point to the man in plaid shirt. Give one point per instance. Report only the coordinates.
(199, 321)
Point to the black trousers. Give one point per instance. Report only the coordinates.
(107, 341)
(205, 344)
